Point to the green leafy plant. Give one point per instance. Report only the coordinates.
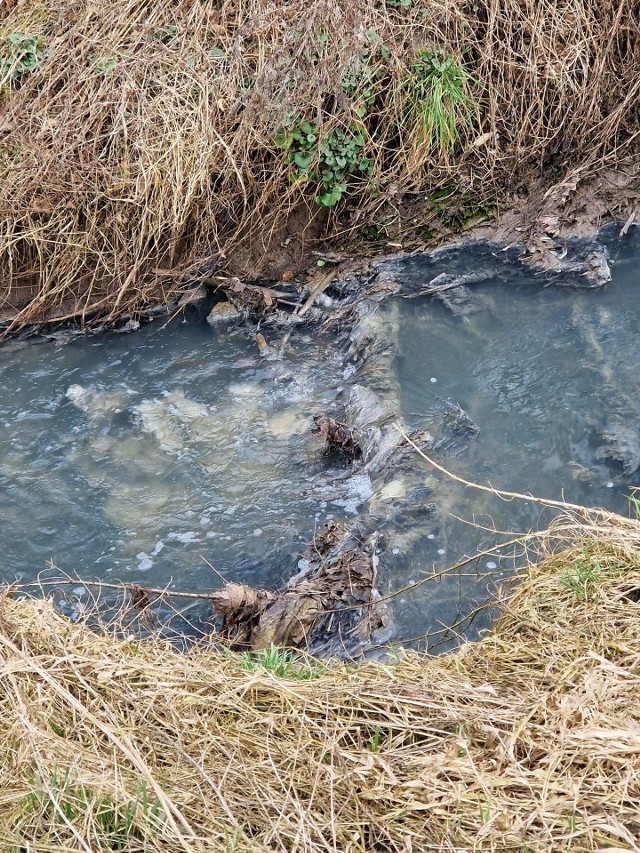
(361, 83)
(439, 104)
(105, 64)
(19, 56)
(340, 155)
(330, 161)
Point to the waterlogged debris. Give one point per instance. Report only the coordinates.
(223, 312)
(337, 436)
(597, 267)
(331, 606)
(93, 402)
(130, 326)
(622, 444)
(554, 255)
(171, 417)
(193, 297)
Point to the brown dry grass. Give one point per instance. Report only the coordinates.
(143, 142)
(526, 741)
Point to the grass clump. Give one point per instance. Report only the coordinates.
(109, 825)
(526, 740)
(586, 572)
(440, 109)
(282, 663)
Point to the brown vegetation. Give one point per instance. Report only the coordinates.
(527, 740)
(140, 141)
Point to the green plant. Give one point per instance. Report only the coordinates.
(340, 155)
(586, 573)
(58, 801)
(485, 811)
(330, 161)
(634, 503)
(232, 840)
(105, 64)
(374, 743)
(20, 55)
(439, 104)
(280, 662)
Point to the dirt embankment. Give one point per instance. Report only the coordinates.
(142, 144)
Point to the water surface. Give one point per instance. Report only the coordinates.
(179, 455)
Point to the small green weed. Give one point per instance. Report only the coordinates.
(439, 106)
(19, 55)
(374, 743)
(114, 823)
(165, 34)
(232, 840)
(105, 64)
(586, 573)
(485, 811)
(329, 161)
(280, 662)
(634, 503)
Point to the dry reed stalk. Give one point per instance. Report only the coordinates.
(526, 740)
(144, 139)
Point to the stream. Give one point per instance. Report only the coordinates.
(182, 455)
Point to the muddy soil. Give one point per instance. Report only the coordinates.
(533, 216)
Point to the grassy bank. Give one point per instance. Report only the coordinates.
(525, 741)
(141, 140)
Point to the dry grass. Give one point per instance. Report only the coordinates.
(143, 142)
(526, 741)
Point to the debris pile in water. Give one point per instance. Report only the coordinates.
(331, 606)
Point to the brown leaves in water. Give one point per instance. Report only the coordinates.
(337, 436)
(250, 298)
(333, 596)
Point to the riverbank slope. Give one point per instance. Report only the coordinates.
(142, 147)
(526, 740)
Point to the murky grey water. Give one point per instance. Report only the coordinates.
(144, 457)
(548, 374)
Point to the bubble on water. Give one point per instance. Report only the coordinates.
(492, 565)
(431, 536)
(396, 551)
(433, 379)
(144, 561)
(442, 551)
(185, 538)
(609, 485)
(79, 590)
(257, 531)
